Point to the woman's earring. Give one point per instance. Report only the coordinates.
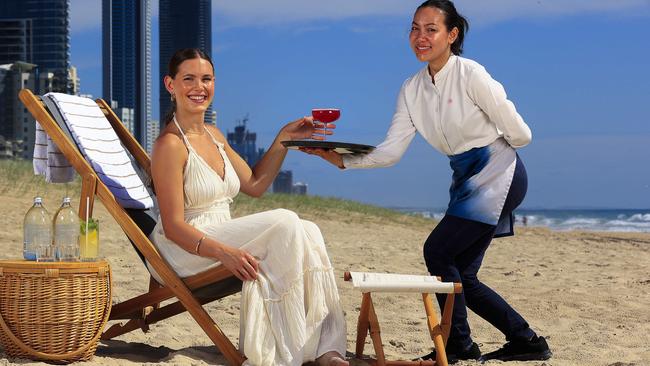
(172, 97)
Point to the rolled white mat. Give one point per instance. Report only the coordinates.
(390, 282)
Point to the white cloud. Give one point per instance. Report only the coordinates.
(85, 15)
(361, 29)
(497, 10)
(220, 47)
(264, 12)
(310, 29)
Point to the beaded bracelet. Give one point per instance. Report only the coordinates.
(198, 245)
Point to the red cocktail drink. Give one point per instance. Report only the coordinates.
(326, 115)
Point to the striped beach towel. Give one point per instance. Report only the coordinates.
(101, 147)
(49, 161)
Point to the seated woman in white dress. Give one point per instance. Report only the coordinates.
(290, 308)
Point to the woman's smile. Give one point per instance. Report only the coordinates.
(198, 98)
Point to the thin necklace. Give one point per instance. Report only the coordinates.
(188, 132)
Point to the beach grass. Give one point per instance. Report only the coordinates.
(330, 208)
(18, 179)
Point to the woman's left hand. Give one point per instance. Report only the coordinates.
(305, 128)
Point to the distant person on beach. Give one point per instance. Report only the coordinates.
(290, 308)
(462, 112)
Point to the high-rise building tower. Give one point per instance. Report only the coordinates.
(17, 126)
(299, 188)
(75, 84)
(37, 32)
(183, 24)
(15, 40)
(244, 142)
(126, 55)
(283, 183)
(153, 130)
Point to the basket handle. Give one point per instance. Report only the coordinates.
(71, 354)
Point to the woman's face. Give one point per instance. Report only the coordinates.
(193, 85)
(429, 38)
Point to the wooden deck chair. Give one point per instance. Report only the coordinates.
(141, 311)
(387, 282)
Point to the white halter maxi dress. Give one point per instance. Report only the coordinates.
(292, 313)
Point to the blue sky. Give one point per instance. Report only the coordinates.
(577, 70)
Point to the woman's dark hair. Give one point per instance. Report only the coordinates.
(452, 19)
(175, 61)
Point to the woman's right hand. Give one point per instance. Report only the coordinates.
(241, 263)
(329, 155)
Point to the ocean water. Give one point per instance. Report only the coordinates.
(615, 220)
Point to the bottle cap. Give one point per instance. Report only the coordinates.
(66, 199)
(38, 200)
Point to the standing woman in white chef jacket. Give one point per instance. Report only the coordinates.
(463, 113)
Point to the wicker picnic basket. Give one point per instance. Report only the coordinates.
(53, 312)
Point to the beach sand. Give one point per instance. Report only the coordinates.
(588, 293)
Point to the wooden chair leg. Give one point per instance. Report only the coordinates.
(362, 325)
(435, 331)
(445, 322)
(375, 334)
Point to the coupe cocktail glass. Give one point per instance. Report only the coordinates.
(325, 115)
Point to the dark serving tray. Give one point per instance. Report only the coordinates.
(339, 147)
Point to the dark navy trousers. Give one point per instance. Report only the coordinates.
(454, 251)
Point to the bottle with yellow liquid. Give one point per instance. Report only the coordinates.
(89, 240)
